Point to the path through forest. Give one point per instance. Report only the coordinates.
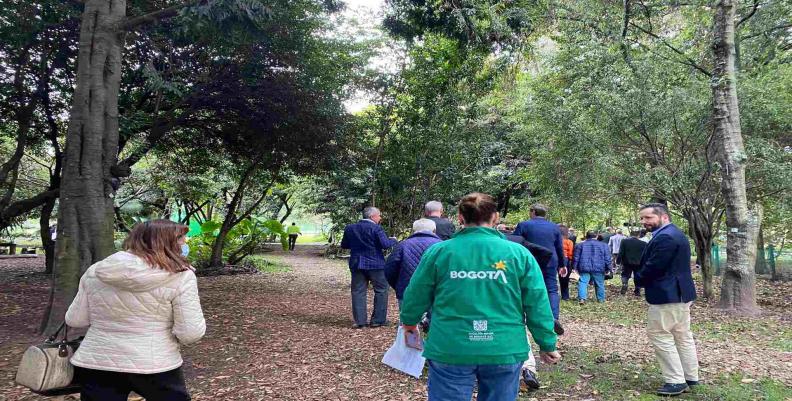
(287, 336)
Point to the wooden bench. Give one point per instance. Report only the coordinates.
(11, 247)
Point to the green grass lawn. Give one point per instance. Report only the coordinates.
(268, 264)
(312, 238)
(584, 374)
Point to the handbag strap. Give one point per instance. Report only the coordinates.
(55, 334)
(63, 327)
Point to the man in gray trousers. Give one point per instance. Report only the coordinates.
(366, 240)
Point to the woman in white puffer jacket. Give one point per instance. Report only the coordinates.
(140, 304)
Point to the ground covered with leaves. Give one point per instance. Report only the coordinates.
(285, 334)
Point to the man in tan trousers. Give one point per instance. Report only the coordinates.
(669, 289)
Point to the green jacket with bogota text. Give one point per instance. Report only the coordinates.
(483, 291)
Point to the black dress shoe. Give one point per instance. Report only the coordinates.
(669, 389)
(375, 325)
(558, 328)
(359, 326)
(530, 380)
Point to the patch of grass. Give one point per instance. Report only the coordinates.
(744, 331)
(592, 374)
(624, 310)
(268, 264)
(311, 238)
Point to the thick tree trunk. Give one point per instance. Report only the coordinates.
(85, 218)
(738, 292)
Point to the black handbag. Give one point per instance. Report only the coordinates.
(46, 368)
(608, 274)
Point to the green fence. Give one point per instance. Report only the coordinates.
(774, 261)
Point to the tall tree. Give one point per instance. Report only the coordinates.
(738, 290)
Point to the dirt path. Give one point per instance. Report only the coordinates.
(287, 336)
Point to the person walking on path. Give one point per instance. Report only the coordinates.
(542, 256)
(433, 210)
(543, 232)
(569, 250)
(401, 263)
(592, 258)
(366, 240)
(614, 244)
(669, 290)
(293, 231)
(606, 235)
(630, 260)
(140, 305)
(483, 292)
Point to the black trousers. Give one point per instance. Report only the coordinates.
(103, 385)
(292, 241)
(564, 282)
(627, 271)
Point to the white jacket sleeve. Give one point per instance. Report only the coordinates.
(188, 320)
(78, 314)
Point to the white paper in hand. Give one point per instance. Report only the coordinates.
(403, 358)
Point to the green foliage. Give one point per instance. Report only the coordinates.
(243, 239)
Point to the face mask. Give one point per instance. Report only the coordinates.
(185, 250)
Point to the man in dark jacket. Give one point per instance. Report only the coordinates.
(366, 240)
(401, 263)
(543, 232)
(669, 289)
(543, 257)
(629, 258)
(444, 228)
(591, 259)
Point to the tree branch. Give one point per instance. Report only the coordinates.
(689, 61)
(747, 17)
(152, 17)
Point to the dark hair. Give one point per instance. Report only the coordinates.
(591, 234)
(642, 232)
(477, 208)
(157, 242)
(564, 230)
(539, 209)
(657, 208)
(635, 233)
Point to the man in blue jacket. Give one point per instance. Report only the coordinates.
(366, 240)
(591, 258)
(669, 290)
(402, 262)
(545, 233)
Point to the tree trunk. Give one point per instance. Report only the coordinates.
(46, 237)
(738, 292)
(761, 262)
(85, 218)
(701, 232)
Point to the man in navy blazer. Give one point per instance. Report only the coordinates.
(669, 290)
(543, 232)
(366, 240)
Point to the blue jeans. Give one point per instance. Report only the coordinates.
(551, 282)
(360, 282)
(599, 285)
(456, 382)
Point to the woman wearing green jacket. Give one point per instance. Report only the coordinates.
(483, 291)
